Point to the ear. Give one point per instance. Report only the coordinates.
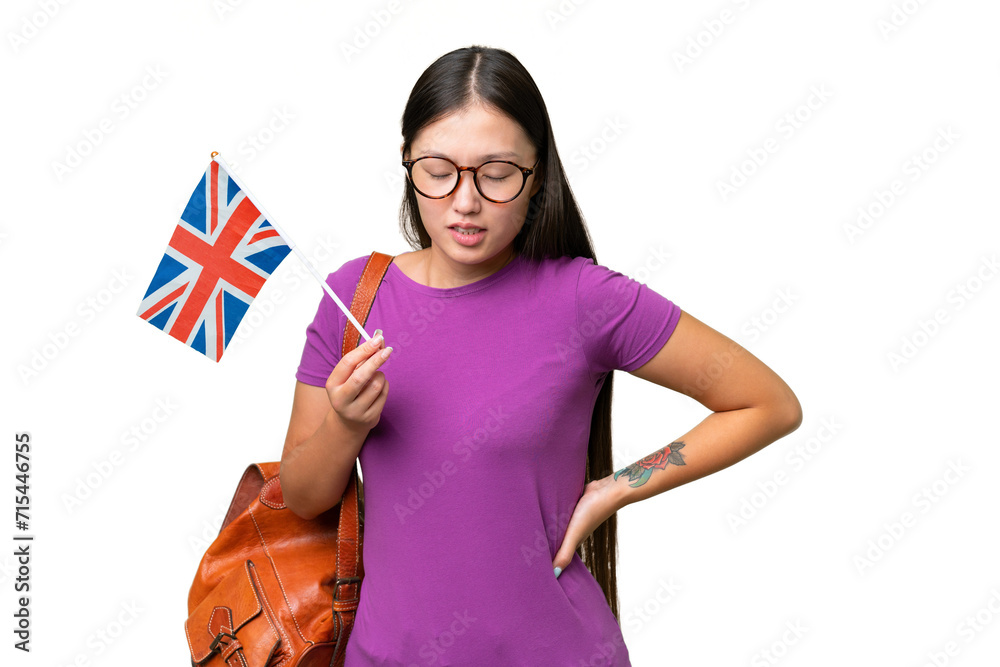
(401, 149)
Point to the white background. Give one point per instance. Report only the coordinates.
(646, 140)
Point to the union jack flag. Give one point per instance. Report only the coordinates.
(221, 252)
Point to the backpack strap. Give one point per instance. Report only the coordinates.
(364, 296)
(348, 533)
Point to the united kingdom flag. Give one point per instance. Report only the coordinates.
(221, 253)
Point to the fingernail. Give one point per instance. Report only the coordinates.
(386, 352)
(377, 340)
(377, 332)
(558, 571)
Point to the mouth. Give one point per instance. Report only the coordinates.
(468, 230)
(468, 235)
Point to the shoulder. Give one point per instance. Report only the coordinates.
(348, 274)
(577, 273)
(343, 280)
(563, 268)
(579, 278)
(569, 264)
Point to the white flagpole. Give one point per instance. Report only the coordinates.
(291, 244)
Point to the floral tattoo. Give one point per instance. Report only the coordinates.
(639, 472)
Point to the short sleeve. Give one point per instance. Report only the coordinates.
(323, 341)
(623, 323)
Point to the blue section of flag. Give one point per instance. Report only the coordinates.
(268, 260)
(160, 321)
(199, 341)
(168, 269)
(194, 212)
(233, 310)
(232, 192)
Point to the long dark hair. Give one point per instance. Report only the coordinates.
(554, 226)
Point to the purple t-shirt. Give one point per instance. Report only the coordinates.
(477, 462)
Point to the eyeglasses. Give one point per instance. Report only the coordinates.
(497, 180)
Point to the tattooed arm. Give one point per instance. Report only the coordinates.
(751, 408)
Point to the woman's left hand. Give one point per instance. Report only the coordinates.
(598, 502)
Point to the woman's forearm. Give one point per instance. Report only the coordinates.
(717, 442)
(314, 474)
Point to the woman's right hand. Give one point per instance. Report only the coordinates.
(356, 388)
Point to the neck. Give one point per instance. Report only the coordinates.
(442, 272)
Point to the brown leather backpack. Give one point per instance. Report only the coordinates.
(274, 589)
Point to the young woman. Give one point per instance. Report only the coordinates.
(490, 499)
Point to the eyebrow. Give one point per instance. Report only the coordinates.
(483, 158)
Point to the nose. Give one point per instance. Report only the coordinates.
(466, 198)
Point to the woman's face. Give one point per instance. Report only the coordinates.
(469, 137)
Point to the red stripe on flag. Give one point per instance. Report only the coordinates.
(215, 197)
(217, 262)
(263, 235)
(164, 301)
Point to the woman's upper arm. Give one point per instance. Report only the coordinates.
(716, 371)
(310, 405)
